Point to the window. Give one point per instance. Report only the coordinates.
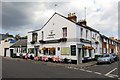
(81, 32)
(34, 37)
(31, 50)
(64, 32)
(86, 34)
(73, 50)
(42, 35)
(95, 36)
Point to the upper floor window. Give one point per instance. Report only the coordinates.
(95, 36)
(42, 35)
(64, 32)
(34, 37)
(81, 32)
(86, 34)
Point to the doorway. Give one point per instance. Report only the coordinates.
(11, 52)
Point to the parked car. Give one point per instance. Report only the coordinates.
(97, 56)
(105, 58)
(115, 56)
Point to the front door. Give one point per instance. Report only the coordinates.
(11, 52)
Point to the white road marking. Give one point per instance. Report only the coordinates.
(113, 75)
(88, 71)
(82, 69)
(109, 76)
(119, 78)
(97, 73)
(70, 67)
(110, 71)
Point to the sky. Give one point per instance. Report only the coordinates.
(20, 17)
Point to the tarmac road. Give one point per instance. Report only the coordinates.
(12, 68)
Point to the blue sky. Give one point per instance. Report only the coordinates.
(19, 17)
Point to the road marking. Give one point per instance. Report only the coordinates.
(109, 76)
(119, 78)
(69, 67)
(110, 71)
(88, 71)
(82, 69)
(113, 75)
(97, 73)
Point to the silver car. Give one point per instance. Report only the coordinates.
(105, 58)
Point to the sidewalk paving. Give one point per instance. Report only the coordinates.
(82, 65)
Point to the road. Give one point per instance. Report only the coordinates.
(12, 68)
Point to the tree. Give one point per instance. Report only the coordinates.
(17, 37)
(9, 35)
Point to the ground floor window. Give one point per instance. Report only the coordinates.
(86, 52)
(31, 50)
(24, 50)
(73, 50)
(52, 51)
(49, 51)
(112, 50)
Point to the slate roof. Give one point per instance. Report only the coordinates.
(22, 42)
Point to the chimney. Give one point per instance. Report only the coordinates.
(82, 22)
(72, 17)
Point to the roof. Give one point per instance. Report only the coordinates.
(67, 19)
(21, 42)
(109, 38)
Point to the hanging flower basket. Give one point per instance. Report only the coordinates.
(43, 48)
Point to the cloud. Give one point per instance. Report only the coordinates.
(101, 14)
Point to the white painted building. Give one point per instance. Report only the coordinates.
(66, 38)
(5, 45)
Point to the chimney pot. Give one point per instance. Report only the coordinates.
(72, 17)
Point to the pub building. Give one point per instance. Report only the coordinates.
(65, 37)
